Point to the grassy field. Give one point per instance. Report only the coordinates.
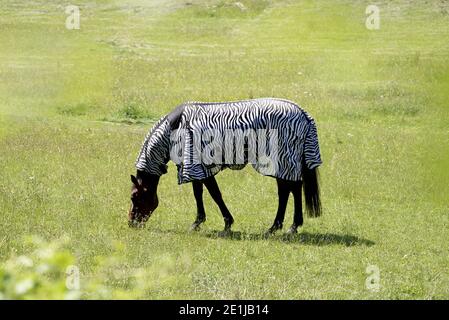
(75, 106)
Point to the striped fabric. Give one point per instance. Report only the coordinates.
(277, 137)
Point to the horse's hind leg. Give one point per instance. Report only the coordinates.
(297, 217)
(200, 214)
(283, 193)
(212, 187)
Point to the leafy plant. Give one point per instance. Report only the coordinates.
(48, 272)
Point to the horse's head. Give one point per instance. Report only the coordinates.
(143, 201)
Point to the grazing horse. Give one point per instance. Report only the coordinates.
(276, 136)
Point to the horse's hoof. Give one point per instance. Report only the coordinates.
(195, 227)
(292, 231)
(267, 234)
(228, 226)
(273, 229)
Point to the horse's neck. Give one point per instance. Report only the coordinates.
(157, 146)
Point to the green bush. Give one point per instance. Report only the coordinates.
(48, 272)
(39, 275)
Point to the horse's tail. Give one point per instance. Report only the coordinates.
(311, 188)
(311, 161)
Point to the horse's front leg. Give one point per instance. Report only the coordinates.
(200, 213)
(212, 187)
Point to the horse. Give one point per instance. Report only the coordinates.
(184, 136)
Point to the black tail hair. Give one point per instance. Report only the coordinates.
(311, 189)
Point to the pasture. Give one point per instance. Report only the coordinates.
(75, 106)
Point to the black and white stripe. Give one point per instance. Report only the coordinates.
(154, 154)
(296, 140)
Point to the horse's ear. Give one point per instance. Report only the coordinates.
(134, 181)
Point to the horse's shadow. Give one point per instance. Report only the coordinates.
(307, 238)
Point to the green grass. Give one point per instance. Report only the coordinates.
(76, 104)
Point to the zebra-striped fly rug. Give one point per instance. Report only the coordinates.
(275, 135)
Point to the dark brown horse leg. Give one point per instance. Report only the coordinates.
(297, 218)
(200, 213)
(212, 187)
(283, 193)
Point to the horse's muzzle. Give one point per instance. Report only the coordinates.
(138, 223)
